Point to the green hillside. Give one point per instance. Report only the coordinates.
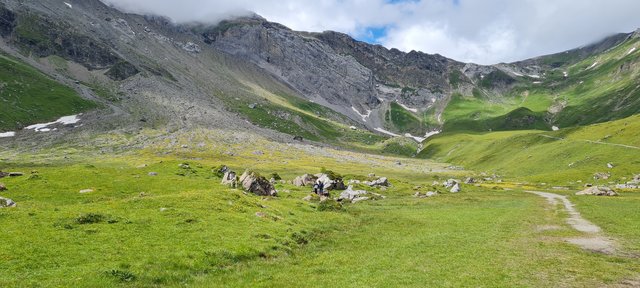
(27, 96)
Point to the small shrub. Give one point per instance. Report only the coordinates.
(330, 205)
(300, 237)
(275, 176)
(220, 170)
(122, 275)
(332, 175)
(90, 218)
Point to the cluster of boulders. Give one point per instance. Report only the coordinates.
(425, 195)
(453, 185)
(633, 184)
(349, 194)
(329, 183)
(6, 202)
(598, 191)
(249, 181)
(355, 196)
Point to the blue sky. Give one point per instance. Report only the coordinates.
(480, 31)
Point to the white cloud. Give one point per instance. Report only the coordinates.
(478, 31)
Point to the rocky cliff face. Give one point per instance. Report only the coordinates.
(293, 82)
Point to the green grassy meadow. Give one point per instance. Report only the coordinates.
(182, 228)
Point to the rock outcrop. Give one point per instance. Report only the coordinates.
(382, 181)
(256, 184)
(330, 184)
(358, 195)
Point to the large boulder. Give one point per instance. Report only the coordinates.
(598, 191)
(6, 202)
(230, 178)
(304, 180)
(330, 184)
(256, 184)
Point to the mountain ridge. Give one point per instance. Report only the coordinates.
(317, 85)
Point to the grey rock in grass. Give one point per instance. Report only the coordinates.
(456, 188)
(601, 176)
(84, 191)
(3, 187)
(304, 180)
(7, 203)
(153, 174)
(351, 194)
(598, 191)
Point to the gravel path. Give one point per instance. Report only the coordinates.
(593, 239)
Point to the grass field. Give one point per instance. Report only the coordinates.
(182, 228)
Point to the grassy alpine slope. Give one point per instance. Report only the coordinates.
(561, 157)
(29, 97)
(182, 227)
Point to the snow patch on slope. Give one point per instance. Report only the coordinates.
(44, 127)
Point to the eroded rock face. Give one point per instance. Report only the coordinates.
(256, 184)
(598, 191)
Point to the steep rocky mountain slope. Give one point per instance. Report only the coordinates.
(145, 71)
